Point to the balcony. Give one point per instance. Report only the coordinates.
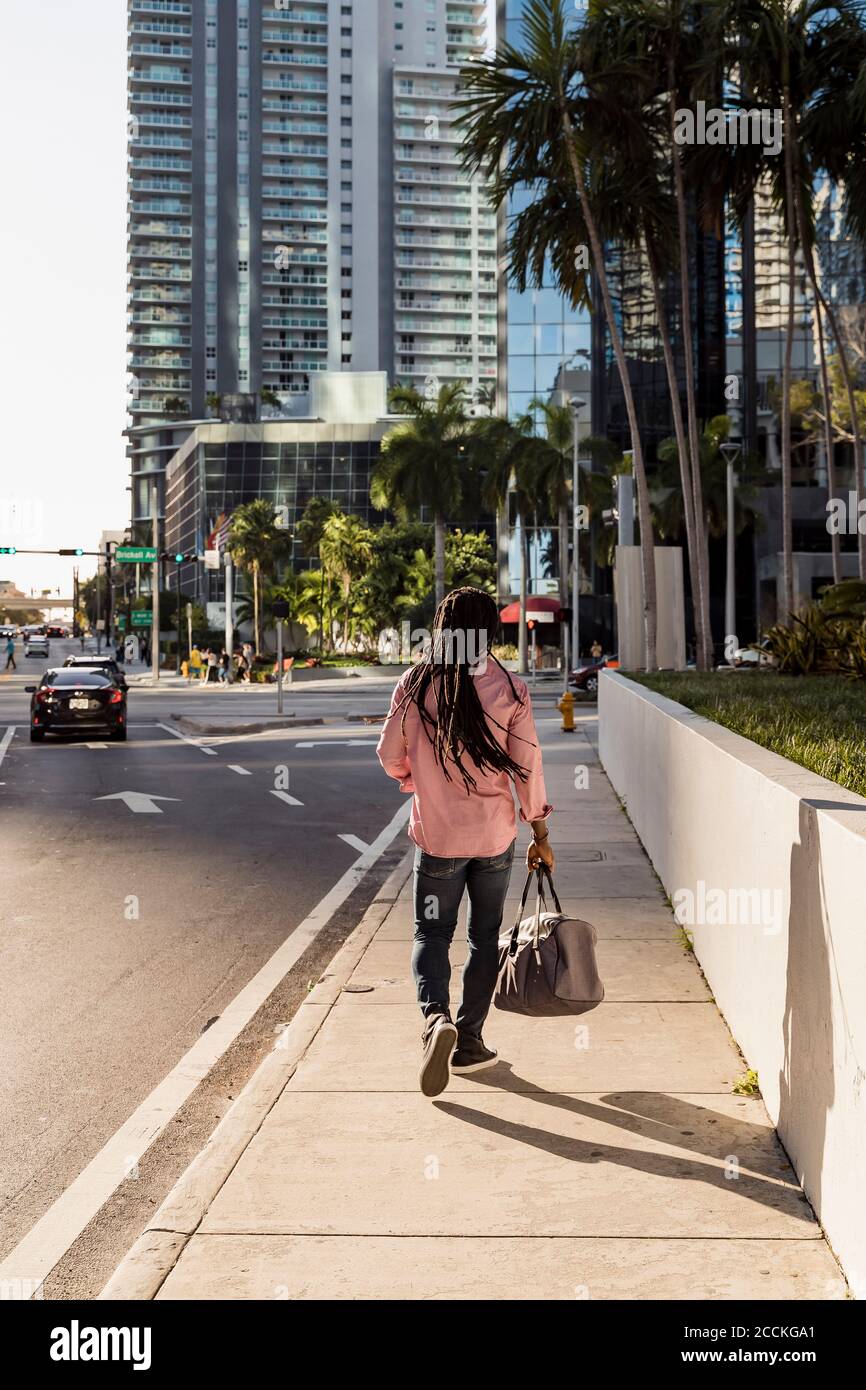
(304, 60)
(303, 36)
(158, 50)
(288, 191)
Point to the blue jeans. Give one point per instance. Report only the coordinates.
(439, 885)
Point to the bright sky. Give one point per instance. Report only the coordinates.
(63, 468)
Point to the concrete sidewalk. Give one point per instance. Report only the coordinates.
(604, 1157)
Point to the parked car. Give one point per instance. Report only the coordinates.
(586, 678)
(35, 643)
(76, 702)
(107, 664)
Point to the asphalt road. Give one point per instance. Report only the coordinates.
(126, 933)
(125, 936)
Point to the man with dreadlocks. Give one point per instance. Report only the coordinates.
(460, 737)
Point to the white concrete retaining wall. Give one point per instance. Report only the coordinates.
(786, 851)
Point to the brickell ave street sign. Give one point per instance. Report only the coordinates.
(135, 554)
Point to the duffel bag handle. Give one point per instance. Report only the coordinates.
(539, 873)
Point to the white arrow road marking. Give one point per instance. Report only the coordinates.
(5, 742)
(233, 767)
(284, 796)
(176, 733)
(142, 802)
(341, 743)
(48, 1241)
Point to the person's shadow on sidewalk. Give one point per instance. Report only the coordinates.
(656, 1115)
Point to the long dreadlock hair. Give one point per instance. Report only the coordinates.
(465, 623)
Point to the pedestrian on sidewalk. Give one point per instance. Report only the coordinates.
(10, 653)
(212, 664)
(195, 663)
(249, 658)
(223, 668)
(461, 738)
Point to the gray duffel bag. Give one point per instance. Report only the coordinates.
(547, 962)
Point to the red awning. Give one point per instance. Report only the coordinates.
(535, 603)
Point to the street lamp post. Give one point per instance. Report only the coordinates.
(730, 452)
(577, 404)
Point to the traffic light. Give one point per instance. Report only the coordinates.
(76, 551)
(8, 550)
(181, 558)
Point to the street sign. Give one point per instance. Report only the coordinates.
(142, 617)
(135, 554)
(121, 621)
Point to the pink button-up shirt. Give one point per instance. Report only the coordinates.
(448, 819)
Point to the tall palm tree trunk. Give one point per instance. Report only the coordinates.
(257, 616)
(644, 514)
(439, 555)
(845, 367)
(522, 634)
(682, 451)
(809, 254)
(787, 520)
(706, 649)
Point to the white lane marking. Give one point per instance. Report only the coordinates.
(176, 733)
(142, 802)
(5, 742)
(284, 796)
(341, 743)
(48, 1241)
(354, 842)
(96, 745)
(242, 771)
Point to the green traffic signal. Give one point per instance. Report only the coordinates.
(179, 559)
(8, 550)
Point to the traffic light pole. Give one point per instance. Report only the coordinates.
(108, 594)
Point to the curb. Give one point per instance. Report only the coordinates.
(259, 726)
(144, 1269)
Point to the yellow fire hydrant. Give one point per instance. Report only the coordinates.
(566, 709)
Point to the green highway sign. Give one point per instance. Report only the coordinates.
(121, 621)
(135, 554)
(142, 617)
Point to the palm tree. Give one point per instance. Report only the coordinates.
(714, 518)
(554, 470)
(423, 462)
(309, 530)
(527, 117)
(806, 58)
(505, 454)
(346, 549)
(256, 544)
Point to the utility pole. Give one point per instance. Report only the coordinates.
(154, 582)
